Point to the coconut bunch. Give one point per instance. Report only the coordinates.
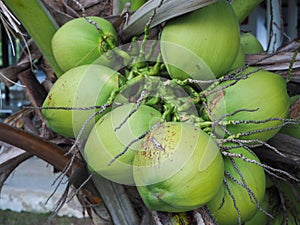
(177, 117)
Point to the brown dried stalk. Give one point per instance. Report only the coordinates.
(45, 150)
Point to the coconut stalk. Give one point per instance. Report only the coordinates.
(37, 146)
(39, 24)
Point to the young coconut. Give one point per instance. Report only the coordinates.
(114, 140)
(244, 188)
(177, 168)
(249, 105)
(79, 42)
(80, 87)
(250, 44)
(212, 33)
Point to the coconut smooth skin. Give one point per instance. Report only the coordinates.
(251, 44)
(78, 42)
(111, 135)
(178, 168)
(80, 87)
(239, 61)
(260, 217)
(260, 96)
(212, 33)
(253, 176)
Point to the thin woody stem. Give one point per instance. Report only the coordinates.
(218, 121)
(229, 154)
(285, 121)
(250, 142)
(213, 117)
(233, 200)
(107, 38)
(63, 108)
(131, 143)
(81, 7)
(65, 171)
(80, 188)
(146, 33)
(218, 88)
(85, 124)
(137, 105)
(274, 174)
(248, 133)
(84, 15)
(250, 192)
(211, 81)
(244, 185)
(156, 218)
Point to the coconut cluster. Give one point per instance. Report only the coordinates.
(176, 117)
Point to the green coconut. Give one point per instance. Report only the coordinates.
(248, 105)
(205, 38)
(239, 61)
(79, 42)
(251, 44)
(80, 87)
(178, 168)
(112, 134)
(260, 217)
(227, 211)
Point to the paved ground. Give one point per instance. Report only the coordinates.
(29, 187)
